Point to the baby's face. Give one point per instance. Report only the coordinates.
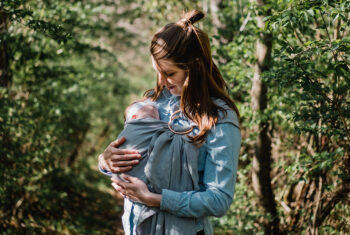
(146, 111)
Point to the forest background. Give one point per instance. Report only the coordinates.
(68, 68)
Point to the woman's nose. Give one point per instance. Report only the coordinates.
(162, 80)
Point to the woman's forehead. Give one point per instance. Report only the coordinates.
(164, 65)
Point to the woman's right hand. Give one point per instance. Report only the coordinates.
(118, 160)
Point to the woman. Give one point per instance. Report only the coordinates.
(187, 80)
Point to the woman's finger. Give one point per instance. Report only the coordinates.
(119, 182)
(123, 157)
(129, 151)
(118, 188)
(117, 142)
(103, 164)
(125, 163)
(129, 178)
(124, 152)
(120, 169)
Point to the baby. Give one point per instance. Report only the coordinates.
(162, 145)
(136, 111)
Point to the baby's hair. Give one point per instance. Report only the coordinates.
(149, 111)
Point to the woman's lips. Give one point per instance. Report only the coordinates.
(170, 87)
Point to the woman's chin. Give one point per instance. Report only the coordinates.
(175, 93)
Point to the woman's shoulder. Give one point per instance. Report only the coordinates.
(226, 114)
(227, 130)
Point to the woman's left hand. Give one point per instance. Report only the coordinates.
(136, 190)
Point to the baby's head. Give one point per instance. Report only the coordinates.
(140, 110)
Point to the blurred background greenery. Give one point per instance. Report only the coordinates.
(68, 68)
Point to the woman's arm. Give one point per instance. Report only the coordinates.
(223, 143)
(117, 160)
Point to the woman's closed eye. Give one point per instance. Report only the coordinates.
(170, 74)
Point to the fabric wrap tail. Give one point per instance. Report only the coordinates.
(172, 164)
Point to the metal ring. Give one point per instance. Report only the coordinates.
(177, 132)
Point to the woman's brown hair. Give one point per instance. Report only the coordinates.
(188, 47)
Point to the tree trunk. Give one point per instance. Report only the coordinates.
(215, 7)
(220, 29)
(5, 76)
(262, 148)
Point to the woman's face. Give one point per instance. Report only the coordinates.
(172, 77)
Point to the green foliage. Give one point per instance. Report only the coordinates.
(308, 104)
(318, 72)
(65, 85)
(66, 90)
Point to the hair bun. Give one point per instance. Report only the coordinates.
(192, 16)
